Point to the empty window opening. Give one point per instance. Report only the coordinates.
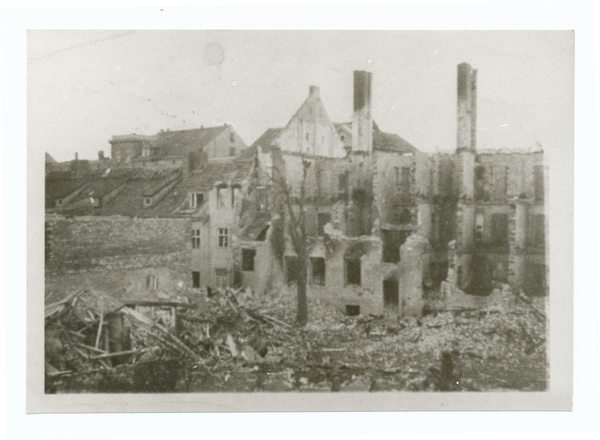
(195, 238)
(291, 270)
(231, 137)
(538, 172)
(405, 181)
(223, 238)
(232, 151)
(535, 280)
(196, 199)
(499, 229)
(195, 280)
(222, 202)
(459, 276)
(352, 310)
(221, 278)
(147, 202)
(500, 271)
(499, 183)
(262, 196)
(318, 270)
(322, 219)
(391, 295)
(391, 242)
(263, 234)
(235, 195)
(438, 272)
(248, 260)
(59, 202)
(404, 216)
(479, 226)
(353, 271)
(343, 187)
(537, 230)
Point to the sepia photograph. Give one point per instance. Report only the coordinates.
(288, 212)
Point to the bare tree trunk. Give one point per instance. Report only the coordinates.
(301, 286)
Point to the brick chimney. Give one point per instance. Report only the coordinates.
(466, 108)
(362, 120)
(100, 155)
(313, 91)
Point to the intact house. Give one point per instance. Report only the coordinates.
(130, 229)
(176, 149)
(385, 222)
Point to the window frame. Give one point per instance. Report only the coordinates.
(193, 199)
(223, 238)
(196, 241)
(221, 278)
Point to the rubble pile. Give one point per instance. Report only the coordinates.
(235, 340)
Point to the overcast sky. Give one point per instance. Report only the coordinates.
(86, 86)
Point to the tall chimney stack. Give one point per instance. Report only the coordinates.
(313, 91)
(76, 156)
(466, 108)
(362, 120)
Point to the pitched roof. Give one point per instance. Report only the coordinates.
(266, 141)
(226, 171)
(390, 142)
(132, 186)
(177, 143)
(50, 159)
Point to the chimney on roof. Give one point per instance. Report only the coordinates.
(466, 108)
(76, 156)
(100, 155)
(362, 119)
(314, 91)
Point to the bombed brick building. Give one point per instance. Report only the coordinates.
(385, 222)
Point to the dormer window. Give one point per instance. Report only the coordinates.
(147, 201)
(196, 199)
(146, 152)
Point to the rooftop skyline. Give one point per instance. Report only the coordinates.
(86, 86)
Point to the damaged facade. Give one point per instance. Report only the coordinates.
(385, 221)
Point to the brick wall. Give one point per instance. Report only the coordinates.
(84, 244)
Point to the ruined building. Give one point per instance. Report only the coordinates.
(385, 221)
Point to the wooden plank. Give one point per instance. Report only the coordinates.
(97, 350)
(99, 328)
(117, 353)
